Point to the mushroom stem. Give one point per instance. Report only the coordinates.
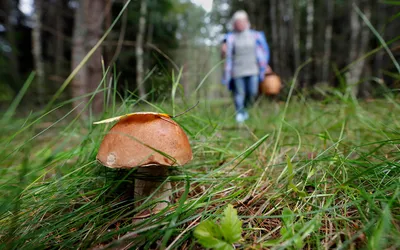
(150, 183)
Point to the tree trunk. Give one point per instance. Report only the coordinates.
(275, 42)
(59, 53)
(330, 5)
(108, 49)
(365, 85)
(380, 13)
(37, 51)
(309, 40)
(251, 11)
(351, 80)
(258, 7)
(183, 53)
(139, 49)
(283, 43)
(296, 32)
(355, 27)
(10, 36)
(109, 55)
(95, 14)
(149, 40)
(79, 83)
(358, 46)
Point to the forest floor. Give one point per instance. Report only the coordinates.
(334, 166)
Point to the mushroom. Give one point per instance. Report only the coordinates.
(150, 142)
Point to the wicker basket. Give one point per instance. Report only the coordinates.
(271, 85)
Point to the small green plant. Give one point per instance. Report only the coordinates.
(220, 236)
(290, 178)
(294, 232)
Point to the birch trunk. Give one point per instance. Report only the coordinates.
(37, 51)
(186, 64)
(139, 49)
(360, 66)
(355, 27)
(355, 33)
(309, 40)
(78, 84)
(95, 16)
(275, 41)
(330, 5)
(296, 32)
(358, 46)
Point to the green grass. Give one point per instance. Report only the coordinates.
(333, 165)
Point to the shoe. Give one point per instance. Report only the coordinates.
(246, 116)
(240, 117)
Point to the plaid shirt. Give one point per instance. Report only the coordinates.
(262, 54)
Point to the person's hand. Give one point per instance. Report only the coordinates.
(223, 50)
(269, 70)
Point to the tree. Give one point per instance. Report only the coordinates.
(78, 85)
(275, 39)
(9, 7)
(380, 13)
(284, 43)
(309, 39)
(148, 36)
(89, 17)
(59, 48)
(330, 5)
(294, 10)
(358, 46)
(95, 16)
(37, 51)
(139, 49)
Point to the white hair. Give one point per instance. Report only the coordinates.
(238, 15)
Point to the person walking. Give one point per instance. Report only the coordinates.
(247, 55)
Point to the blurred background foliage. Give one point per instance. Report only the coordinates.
(43, 35)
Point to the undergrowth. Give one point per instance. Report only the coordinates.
(315, 175)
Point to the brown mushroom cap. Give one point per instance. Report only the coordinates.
(142, 139)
